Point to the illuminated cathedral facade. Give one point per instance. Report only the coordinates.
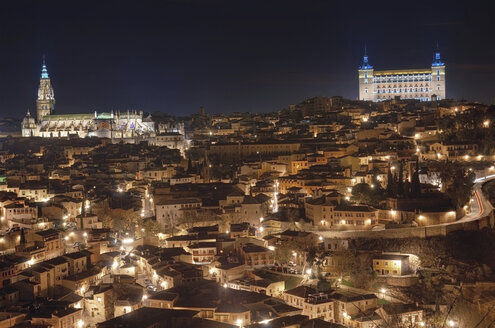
(421, 84)
(128, 125)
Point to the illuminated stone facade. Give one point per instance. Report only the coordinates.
(420, 84)
(128, 125)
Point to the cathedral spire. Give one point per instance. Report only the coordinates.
(46, 98)
(44, 71)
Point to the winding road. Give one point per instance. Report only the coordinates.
(480, 208)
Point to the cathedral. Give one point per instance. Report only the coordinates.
(128, 126)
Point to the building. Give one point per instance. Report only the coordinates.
(257, 256)
(129, 125)
(354, 217)
(421, 84)
(391, 264)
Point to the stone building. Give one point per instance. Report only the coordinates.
(422, 84)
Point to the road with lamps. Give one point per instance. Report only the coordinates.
(480, 208)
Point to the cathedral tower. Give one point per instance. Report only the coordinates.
(46, 98)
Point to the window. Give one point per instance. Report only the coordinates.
(366, 90)
(438, 72)
(438, 78)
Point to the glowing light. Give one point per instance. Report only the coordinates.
(466, 157)
(212, 270)
(320, 238)
(309, 271)
(393, 212)
(486, 123)
(421, 324)
(342, 221)
(417, 136)
(80, 323)
(451, 323)
(120, 190)
(261, 219)
(294, 254)
(272, 248)
(224, 285)
(164, 284)
(66, 237)
(383, 290)
(85, 234)
(392, 168)
(239, 322)
(2, 218)
(31, 262)
(127, 241)
(145, 297)
(115, 264)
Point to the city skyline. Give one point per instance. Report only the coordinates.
(123, 58)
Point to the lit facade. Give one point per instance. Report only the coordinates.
(420, 84)
(128, 125)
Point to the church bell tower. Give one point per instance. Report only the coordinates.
(46, 98)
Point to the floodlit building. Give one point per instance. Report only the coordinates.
(421, 84)
(114, 125)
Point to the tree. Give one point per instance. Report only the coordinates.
(457, 181)
(415, 184)
(391, 182)
(362, 193)
(400, 182)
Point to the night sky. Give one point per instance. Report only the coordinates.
(174, 56)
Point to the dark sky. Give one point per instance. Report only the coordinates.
(174, 56)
